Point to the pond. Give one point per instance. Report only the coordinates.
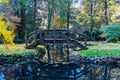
(79, 68)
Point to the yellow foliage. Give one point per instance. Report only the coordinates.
(4, 1)
(58, 22)
(111, 1)
(115, 12)
(6, 35)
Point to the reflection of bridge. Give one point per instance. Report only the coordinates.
(31, 68)
(58, 38)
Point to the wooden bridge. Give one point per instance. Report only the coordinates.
(54, 36)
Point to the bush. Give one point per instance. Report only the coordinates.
(111, 32)
(89, 34)
(41, 51)
(96, 34)
(113, 40)
(6, 35)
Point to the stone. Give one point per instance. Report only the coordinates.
(2, 76)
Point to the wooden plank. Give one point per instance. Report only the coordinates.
(61, 30)
(57, 41)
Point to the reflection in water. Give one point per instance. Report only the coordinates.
(79, 68)
(2, 76)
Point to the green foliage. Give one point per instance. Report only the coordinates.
(113, 40)
(41, 51)
(88, 33)
(111, 31)
(97, 34)
(92, 14)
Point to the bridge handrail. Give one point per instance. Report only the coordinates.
(32, 33)
(68, 39)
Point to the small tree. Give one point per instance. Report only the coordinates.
(6, 35)
(4, 1)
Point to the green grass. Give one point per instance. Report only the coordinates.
(112, 49)
(17, 49)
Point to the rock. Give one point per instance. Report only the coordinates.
(2, 76)
(29, 68)
(76, 58)
(83, 78)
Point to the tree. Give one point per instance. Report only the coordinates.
(4, 1)
(58, 10)
(34, 12)
(111, 31)
(6, 35)
(106, 11)
(114, 11)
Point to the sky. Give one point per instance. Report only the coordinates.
(77, 4)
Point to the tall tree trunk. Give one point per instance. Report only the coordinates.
(50, 10)
(34, 13)
(92, 15)
(68, 14)
(68, 18)
(21, 27)
(106, 11)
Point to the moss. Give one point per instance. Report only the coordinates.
(41, 51)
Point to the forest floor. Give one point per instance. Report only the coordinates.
(101, 49)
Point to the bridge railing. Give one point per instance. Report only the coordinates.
(31, 35)
(78, 36)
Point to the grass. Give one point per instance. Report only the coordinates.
(109, 49)
(16, 49)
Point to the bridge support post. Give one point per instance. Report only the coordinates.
(48, 52)
(91, 74)
(85, 40)
(107, 72)
(26, 41)
(67, 52)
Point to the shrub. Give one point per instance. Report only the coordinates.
(41, 51)
(113, 40)
(111, 32)
(6, 35)
(89, 34)
(96, 34)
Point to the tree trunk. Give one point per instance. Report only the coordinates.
(21, 32)
(49, 13)
(106, 12)
(34, 13)
(92, 15)
(68, 14)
